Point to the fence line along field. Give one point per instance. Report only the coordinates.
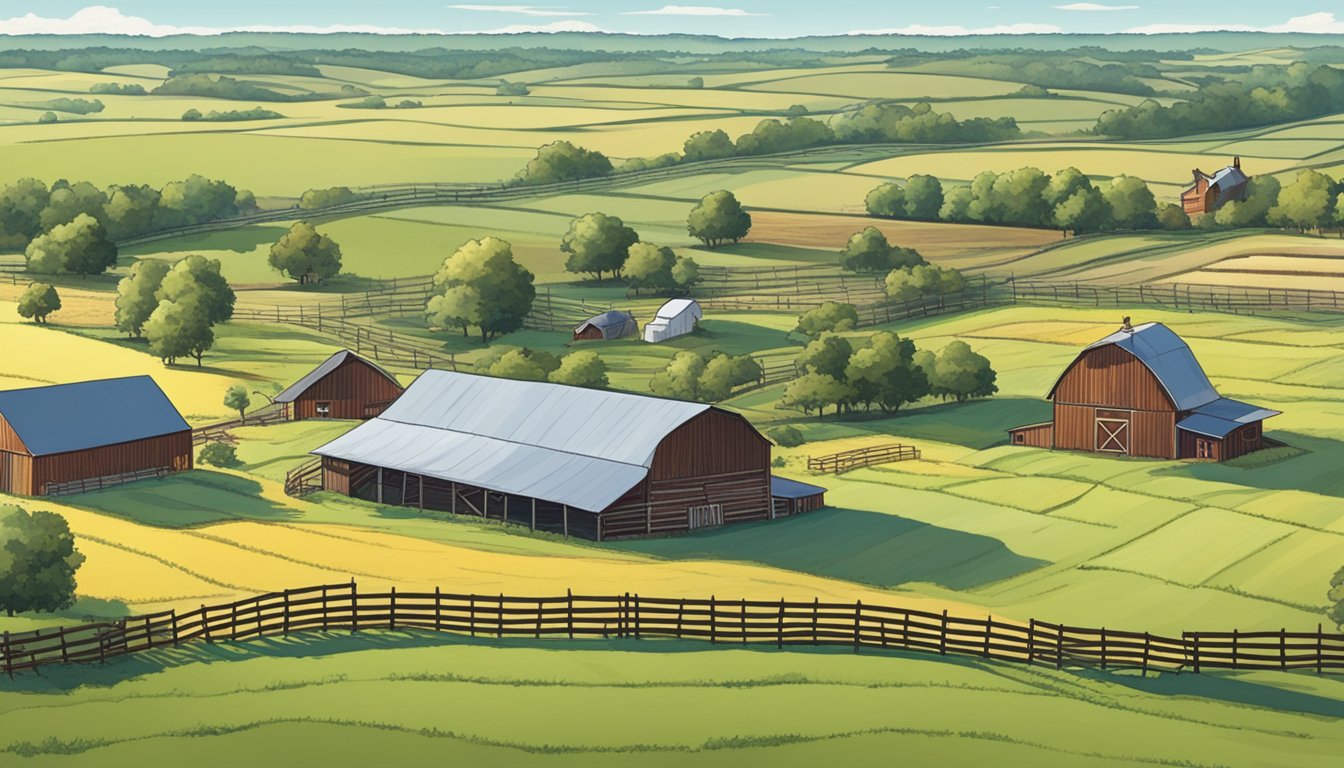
(731, 622)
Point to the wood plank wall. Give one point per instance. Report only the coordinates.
(353, 385)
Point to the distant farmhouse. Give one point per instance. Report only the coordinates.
(582, 462)
(608, 325)
(75, 437)
(1209, 193)
(677, 317)
(1141, 392)
(344, 386)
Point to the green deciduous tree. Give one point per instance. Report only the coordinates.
(787, 436)
(814, 391)
(37, 301)
(137, 295)
(236, 397)
(718, 218)
(179, 329)
(708, 145)
(1173, 217)
(886, 201)
(1083, 211)
(831, 317)
(681, 378)
(562, 161)
(21, 206)
(1305, 204)
(220, 455)
(597, 244)
(1131, 203)
(869, 251)
(827, 355)
(130, 210)
(959, 373)
(923, 197)
(883, 373)
(584, 368)
(1336, 597)
(38, 561)
(305, 255)
(482, 286)
(68, 201)
(81, 247)
(201, 280)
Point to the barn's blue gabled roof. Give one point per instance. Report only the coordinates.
(784, 488)
(1170, 360)
(89, 414)
(1223, 416)
(610, 319)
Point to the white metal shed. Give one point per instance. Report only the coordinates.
(677, 317)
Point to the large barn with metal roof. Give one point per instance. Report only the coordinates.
(91, 434)
(582, 462)
(1141, 392)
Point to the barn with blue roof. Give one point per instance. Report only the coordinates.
(1141, 392)
(90, 434)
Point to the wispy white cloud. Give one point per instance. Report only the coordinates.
(1095, 7)
(521, 10)
(693, 10)
(1322, 22)
(104, 20)
(957, 31)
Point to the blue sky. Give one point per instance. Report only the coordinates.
(732, 18)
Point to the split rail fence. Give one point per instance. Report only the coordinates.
(844, 461)
(721, 622)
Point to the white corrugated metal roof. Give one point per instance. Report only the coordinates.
(583, 447)
(676, 307)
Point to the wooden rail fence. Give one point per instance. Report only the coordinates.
(717, 621)
(305, 478)
(844, 461)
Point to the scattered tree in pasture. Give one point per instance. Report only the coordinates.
(47, 118)
(1339, 214)
(137, 295)
(681, 378)
(685, 272)
(482, 286)
(827, 355)
(696, 82)
(236, 398)
(37, 301)
(192, 115)
(584, 368)
(512, 89)
(886, 201)
(831, 317)
(195, 199)
(81, 247)
(718, 218)
(923, 197)
(814, 391)
(518, 364)
(959, 373)
(708, 145)
(121, 89)
(597, 244)
(659, 269)
(305, 255)
(1305, 204)
(562, 161)
(772, 136)
(220, 455)
(1336, 597)
(1082, 212)
(21, 206)
(38, 561)
(200, 280)
(911, 283)
(179, 329)
(869, 251)
(882, 372)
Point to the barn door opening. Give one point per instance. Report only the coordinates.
(705, 516)
(1113, 435)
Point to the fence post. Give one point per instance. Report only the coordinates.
(438, 609)
(713, 628)
(1059, 647)
(815, 640)
(858, 618)
(681, 610)
(779, 630)
(499, 618)
(569, 612)
(539, 610)
(285, 619)
(1195, 637)
(4, 655)
(471, 614)
(173, 617)
(1031, 640)
(1319, 638)
(354, 606)
(205, 623)
(1235, 647)
(1283, 648)
(1103, 647)
(392, 607)
(942, 635)
(637, 628)
(326, 610)
(989, 629)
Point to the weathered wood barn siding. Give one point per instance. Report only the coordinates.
(1110, 384)
(1034, 435)
(589, 332)
(354, 390)
(26, 475)
(1246, 440)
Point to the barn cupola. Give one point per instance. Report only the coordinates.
(1126, 325)
(1236, 162)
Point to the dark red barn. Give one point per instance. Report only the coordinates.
(345, 386)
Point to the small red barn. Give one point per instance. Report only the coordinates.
(345, 386)
(90, 434)
(1141, 392)
(608, 325)
(1209, 193)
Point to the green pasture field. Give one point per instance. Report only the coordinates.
(339, 698)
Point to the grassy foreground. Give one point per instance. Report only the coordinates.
(341, 699)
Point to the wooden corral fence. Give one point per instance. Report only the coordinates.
(107, 481)
(729, 623)
(304, 479)
(844, 461)
(220, 432)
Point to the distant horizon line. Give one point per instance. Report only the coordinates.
(655, 35)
